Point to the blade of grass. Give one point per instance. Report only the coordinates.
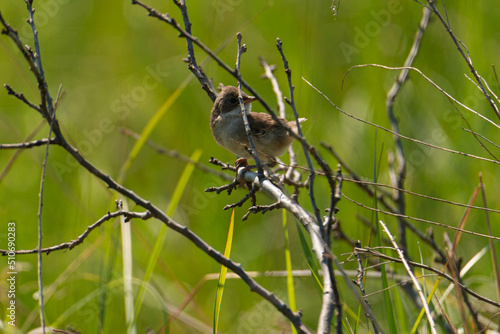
(148, 129)
(428, 301)
(429, 298)
(412, 276)
(289, 276)
(222, 275)
(127, 271)
(347, 326)
(400, 309)
(310, 259)
(106, 269)
(350, 312)
(358, 321)
(63, 317)
(174, 202)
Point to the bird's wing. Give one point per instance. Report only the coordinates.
(262, 124)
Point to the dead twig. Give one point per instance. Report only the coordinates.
(81, 238)
(261, 208)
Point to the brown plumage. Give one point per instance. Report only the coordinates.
(271, 140)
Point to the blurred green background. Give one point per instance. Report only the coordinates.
(117, 67)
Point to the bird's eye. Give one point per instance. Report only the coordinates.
(233, 100)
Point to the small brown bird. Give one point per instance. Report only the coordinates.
(271, 140)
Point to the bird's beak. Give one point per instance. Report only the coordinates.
(249, 99)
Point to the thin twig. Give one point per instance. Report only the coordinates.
(223, 165)
(482, 136)
(470, 128)
(46, 104)
(421, 220)
(39, 253)
(359, 279)
(363, 183)
(244, 114)
(29, 144)
(412, 276)
(229, 187)
(175, 154)
(20, 96)
(305, 146)
(281, 108)
(14, 157)
(206, 84)
(461, 46)
(81, 238)
(262, 209)
(443, 312)
(250, 194)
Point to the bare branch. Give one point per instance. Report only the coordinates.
(253, 150)
(261, 208)
(465, 54)
(79, 240)
(480, 135)
(222, 164)
(21, 97)
(206, 84)
(250, 194)
(30, 144)
(359, 279)
(269, 74)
